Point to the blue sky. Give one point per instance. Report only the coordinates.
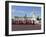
(22, 10)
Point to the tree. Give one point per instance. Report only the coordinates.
(38, 18)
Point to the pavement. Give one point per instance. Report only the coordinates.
(25, 27)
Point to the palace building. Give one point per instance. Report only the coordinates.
(26, 19)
